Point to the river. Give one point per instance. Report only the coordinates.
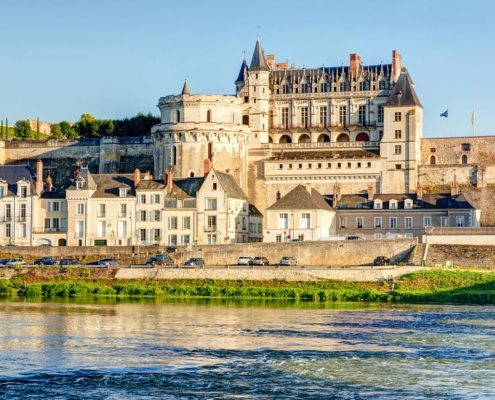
(198, 350)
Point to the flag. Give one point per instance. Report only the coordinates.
(445, 113)
(473, 119)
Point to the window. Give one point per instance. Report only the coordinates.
(211, 238)
(305, 222)
(156, 215)
(290, 166)
(393, 204)
(362, 115)
(342, 115)
(359, 222)
(79, 185)
(186, 239)
(300, 238)
(101, 229)
(2, 191)
(122, 192)
(157, 235)
(398, 117)
(101, 210)
(123, 210)
(393, 222)
(186, 222)
(398, 149)
(212, 221)
(142, 199)
(155, 199)
(426, 221)
(433, 150)
(329, 165)
(122, 229)
(343, 222)
(208, 116)
(310, 165)
(362, 85)
(278, 238)
(142, 215)
(398, 134)
(369, 165)
(80, 209)
(214, 186)
(304, 117)
(285, 117)
(8, 230)
(466, 147)
(23, 192)
(323, 116)
(339, 165)
(260, 228)
(408, 204)
(380, 113)
(283, 221)
(211, 204)
(378, 222)
(172, 222)
(444, 221)
(433, 160)
(464, 159)
(23, 230)
(459, 220)
(23, 211)
(398, 166)
(299, 166)
(358, 165)
(142, 235)
(378, 204)
(408, 222)
(177, 116)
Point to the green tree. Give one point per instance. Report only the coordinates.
(68, 130)
(56, 131)
(106, 127)
(87, 126)
(22, 130)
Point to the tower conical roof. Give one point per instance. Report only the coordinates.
(242, 72)
(258, 62)
(403, 93)
(185, 88)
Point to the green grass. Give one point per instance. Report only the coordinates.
(428, 286)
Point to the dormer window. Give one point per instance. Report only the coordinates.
(23, 192)
(79, 185)
(2, 191)
(408, 204)
(378, 205)
(393, 204)
(122, 192)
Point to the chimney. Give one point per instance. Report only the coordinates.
(207, 166)
(39, 177)
(137, 177)
(454, 189)
(354, 63)
(49, 184)
(148, 176)
(396, 64)
(336, 194)
(270, 59)
(169, 178)
(371, 192)
(419, 191)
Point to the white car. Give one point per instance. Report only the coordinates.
(242, 260)
(15, 261)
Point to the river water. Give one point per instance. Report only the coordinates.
(197, 350)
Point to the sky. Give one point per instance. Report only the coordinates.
(115, 58)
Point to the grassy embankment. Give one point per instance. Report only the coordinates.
(432, 286)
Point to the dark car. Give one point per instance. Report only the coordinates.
(162, 260)
(46, 261)
(171, 249)
(260, 261)
(195, 262)
(69, 261)
(381, 260)
(108, 262)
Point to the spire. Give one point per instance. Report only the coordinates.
(242, 72)
(403, 93)
(258, 62)
(185, 88)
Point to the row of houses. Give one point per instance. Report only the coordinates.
(136, 209)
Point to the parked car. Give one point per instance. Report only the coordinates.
(166, 260)
(195, 262)
(243, 260)
(11, 262)
(353, 237)
(260, 261)
(46, 261)
(288, 261)
(3, 262)
(171, 249)
(108, 262)
(381, 260)
(69, 261)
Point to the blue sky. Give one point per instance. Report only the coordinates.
(113, 59)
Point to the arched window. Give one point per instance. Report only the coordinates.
(304, 139)
(278, 195)
(210, 150)
(362, 137)
(464, 159)
(173, 160)
(245, 120)
(285, 139)
(323, 138)
(433, 160)
(178, 116)
(191, 174)
(343, 137)
(208, 116)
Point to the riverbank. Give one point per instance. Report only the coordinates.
(427, 286)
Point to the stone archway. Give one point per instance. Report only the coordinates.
(304, 139)
(323, 138)
(362, 137)
(285, 139)
(62, 242)
(343, 137)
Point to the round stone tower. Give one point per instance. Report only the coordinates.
(195, 127)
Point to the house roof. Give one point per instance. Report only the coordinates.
(230, 186)
(108, 185)
(258, 62)
(323, 155)
(254, 211)
(403, 93)
(427, 201)
(151, 184)
(242, 72)
(300, 198)
(189, 186)
(15, 173)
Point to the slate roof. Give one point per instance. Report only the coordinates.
(323, 155)
(299, 198)
(189, 186)
(151, 184)
(403, 93)
(185, 88)
(108, 185)
(230, 186)
(15, 173)
(242, 72)
(258, 62)
(428, 201)
(254, 211)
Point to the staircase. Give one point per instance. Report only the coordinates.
(418, 254)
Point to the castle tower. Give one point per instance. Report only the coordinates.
(400, 147)
(258, 96)
(195, 127)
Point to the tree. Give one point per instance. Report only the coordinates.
(68, 130)
(23, 130)
(106, 127)
(56, 131)
(87, 126)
